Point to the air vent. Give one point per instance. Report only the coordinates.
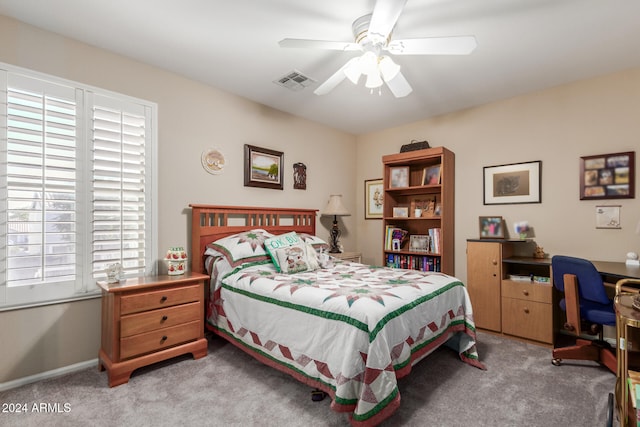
(294, 80)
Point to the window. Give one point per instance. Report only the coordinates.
(76, 187)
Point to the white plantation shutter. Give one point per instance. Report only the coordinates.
(75, 187)
(119, 186)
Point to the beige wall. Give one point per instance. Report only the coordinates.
(192, 117)
(557, 126)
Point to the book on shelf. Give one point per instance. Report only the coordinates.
(435, 240)
(633, 383)
(394, 233)
(413, 262)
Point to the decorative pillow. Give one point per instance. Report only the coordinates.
(296, 258)
(240, 248)
(318, 244)
(282, 241)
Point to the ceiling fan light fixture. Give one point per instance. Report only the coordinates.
(369, 63)
(373, 80)
(353, 71)
(388, 68)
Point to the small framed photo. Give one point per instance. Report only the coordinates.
(395, 245)
(399, 177)
(419, 243)
(491, 227)
(263, 167)
(607, 176)
(431, 175)
(401, 212)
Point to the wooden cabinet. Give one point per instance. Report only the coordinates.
(510, 294)
(150, 319)
(484, 276)
(422, 179)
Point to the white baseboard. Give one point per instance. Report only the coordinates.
(48, 374)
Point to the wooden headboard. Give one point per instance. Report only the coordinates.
(210, 222)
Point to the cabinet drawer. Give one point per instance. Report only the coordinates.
(527, 291)
(138, 323)
(159, 339)
(527, 319)
(156, 299)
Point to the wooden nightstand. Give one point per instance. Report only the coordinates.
(149, 319)
(348, 256)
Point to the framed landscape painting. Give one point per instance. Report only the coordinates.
(263, 167)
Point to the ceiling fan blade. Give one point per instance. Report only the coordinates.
(334, 80)
(399, 86)
(318, 44)
(456, 45)
(384, 17)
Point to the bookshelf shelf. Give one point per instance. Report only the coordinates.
(424, 180)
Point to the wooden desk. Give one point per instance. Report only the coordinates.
(616, 270)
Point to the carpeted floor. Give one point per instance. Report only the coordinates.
(228, 388)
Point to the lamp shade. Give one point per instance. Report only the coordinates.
(335, 206)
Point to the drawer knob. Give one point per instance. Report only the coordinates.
(526, 310)
(525, 292)
(163, 299)
(494, 262)
(163, 339)
(164, 318)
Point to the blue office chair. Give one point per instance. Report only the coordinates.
(585, 300)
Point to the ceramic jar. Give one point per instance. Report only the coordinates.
(176, 260)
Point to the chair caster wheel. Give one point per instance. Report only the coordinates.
(556, 362)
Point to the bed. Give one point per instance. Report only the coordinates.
(348, 329)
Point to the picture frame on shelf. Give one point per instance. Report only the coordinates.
(401, 212)
(431, 175)
(491, 227)
(512, 183)
(419, 243)
(263, 167)
(374, 199)
(399, 177)
(607, 176)
(426, 206)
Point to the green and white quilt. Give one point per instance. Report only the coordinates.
(351, 330)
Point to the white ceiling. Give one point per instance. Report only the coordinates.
(523, 46)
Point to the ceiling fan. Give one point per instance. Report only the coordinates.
(372, 35)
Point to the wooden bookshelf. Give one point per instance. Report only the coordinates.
(422, 179)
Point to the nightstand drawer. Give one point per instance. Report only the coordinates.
(138, 323)
(157, 299)
(160, 339)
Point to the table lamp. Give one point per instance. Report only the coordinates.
(335, 208)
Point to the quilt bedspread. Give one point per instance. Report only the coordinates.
(350, 330)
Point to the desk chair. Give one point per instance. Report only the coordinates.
(585, 301)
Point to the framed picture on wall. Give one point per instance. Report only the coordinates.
(374, 197)
(263, 167)
(607, 176)
(512, 183)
